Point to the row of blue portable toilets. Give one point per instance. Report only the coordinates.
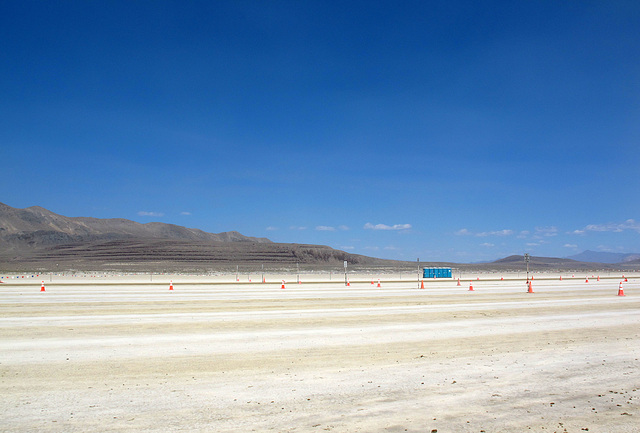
(436, 272)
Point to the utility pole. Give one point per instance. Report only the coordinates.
(345, 273)
(527, 258)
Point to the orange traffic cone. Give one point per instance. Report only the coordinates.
(530, 290)
(501, 278)
(471, 287)
(171, 285)
(560, 277)
(587, 280)
(625, 280)
(459, 282)
(42, 287)
(422, 284)
(620, 290)
(598, 278)
(282, 287)
(348, 282)
(378, 282)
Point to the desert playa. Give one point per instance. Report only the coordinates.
(122, 354)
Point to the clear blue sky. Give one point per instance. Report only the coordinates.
(451, 130)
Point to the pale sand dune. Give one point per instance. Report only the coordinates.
(318, 356)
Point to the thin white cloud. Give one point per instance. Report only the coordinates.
(297, 228)
(610, 249)
(369, 226)
(151, 214)
(325, 228)
(629, 224)
(547, 231)
(185, 213)
(577, 232)
(348, 248)
(496, 233)
(343, 227)
(487, 244)
(463, 232)
(271, 228)
(570, 246)
(391, 248)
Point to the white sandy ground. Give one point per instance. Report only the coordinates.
(94, 354)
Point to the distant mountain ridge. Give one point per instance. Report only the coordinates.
(36, 238)
(516, 262)
(36, 226)
(537, 261)
(605, 257)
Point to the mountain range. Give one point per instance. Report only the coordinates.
(604, 257)
(36, 226)
(38, 239)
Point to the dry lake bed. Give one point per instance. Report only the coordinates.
(119, 354)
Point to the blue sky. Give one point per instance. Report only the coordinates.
(456, 130)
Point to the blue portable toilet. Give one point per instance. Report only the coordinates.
(436, 272)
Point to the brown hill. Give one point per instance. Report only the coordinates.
(36, 227)
(36, 238)
(179, 255)
(552, 264)
(538, 262)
